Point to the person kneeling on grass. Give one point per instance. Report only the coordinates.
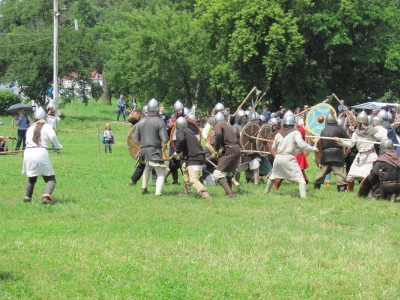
(36, 158)
(189, 147)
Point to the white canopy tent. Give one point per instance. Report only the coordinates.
(371, 105)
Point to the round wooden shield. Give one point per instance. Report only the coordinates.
(172, 135)
(271, 137)
(133, 147)
(264, 132)
(315, 126)
(248, 136)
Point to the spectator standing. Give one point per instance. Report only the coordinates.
(108, 138)
(162, 114)
(23, 122)
(342, 107)
(52, 118)
(121, 107)
(133, 104)
(266, 113)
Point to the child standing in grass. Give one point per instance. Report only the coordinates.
(108, 138)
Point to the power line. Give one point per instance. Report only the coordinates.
(23, 33)
(26, 42)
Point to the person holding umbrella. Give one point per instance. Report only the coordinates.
(36, 158)
(22, 120)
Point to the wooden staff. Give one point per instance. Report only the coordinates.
(215, 166)
(21, 151)
(348, 113)
(358, 141)
(254, 151)
(244, 101)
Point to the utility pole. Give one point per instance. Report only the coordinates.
(54, 101)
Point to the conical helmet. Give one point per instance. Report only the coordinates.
(186, 111)
(181, 123)
(144, 110)
(362, 117)
(219, 117)
(178, 105)
(383, 114)
(263, 119)
(152, 105)
(288, 113)
(386, 145)
(330, 119)
(219, 106)
(377, 120)
(289, 120)
(253, 116)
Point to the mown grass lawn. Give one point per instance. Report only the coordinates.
(104, 240)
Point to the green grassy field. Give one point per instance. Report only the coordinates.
(104, 240)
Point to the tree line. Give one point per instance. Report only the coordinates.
(204, 51)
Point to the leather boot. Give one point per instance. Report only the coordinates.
(342, 188)
(304, 175)
(229, 180)
(268, 188)
(144, 191)
(350, 186)
(224, 183)
(187, 191)
(277, 184)
(317, 186)
(302, 190)
(175, 177)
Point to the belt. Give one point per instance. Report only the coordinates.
(368, 152)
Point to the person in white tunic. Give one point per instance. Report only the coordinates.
(285, 165)
(36, 157)
(366, 155)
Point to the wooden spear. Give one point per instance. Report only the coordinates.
(358, 141)
(244, 101)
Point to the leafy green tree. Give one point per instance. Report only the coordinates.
(159, 53)
(26, 29)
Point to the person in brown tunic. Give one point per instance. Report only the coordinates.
(226, 143)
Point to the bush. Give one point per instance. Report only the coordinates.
(7, 99)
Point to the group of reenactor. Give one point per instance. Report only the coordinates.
(279, 156)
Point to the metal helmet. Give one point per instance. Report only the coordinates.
(219, 106)
(186, 111)
(253, 116)
(181, 123)
(192, 117)
(330, 119)
(152, 105)
(263, 119)
(340, 122)
(144, 110)
(383, 114)
(39, 113)
(289, 120)
(390, 116)
(377, 120)
(219, 117)
(247, 112)
(239, 114)
(273, 121)
(178, 105)
(362, 117)
(386, 145)
(288, 113)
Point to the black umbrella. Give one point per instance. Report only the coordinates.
(13, 109)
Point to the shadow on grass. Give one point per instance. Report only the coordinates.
(7, 276)
(65, 201)
(85, 118)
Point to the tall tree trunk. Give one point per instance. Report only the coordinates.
(106, 97)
